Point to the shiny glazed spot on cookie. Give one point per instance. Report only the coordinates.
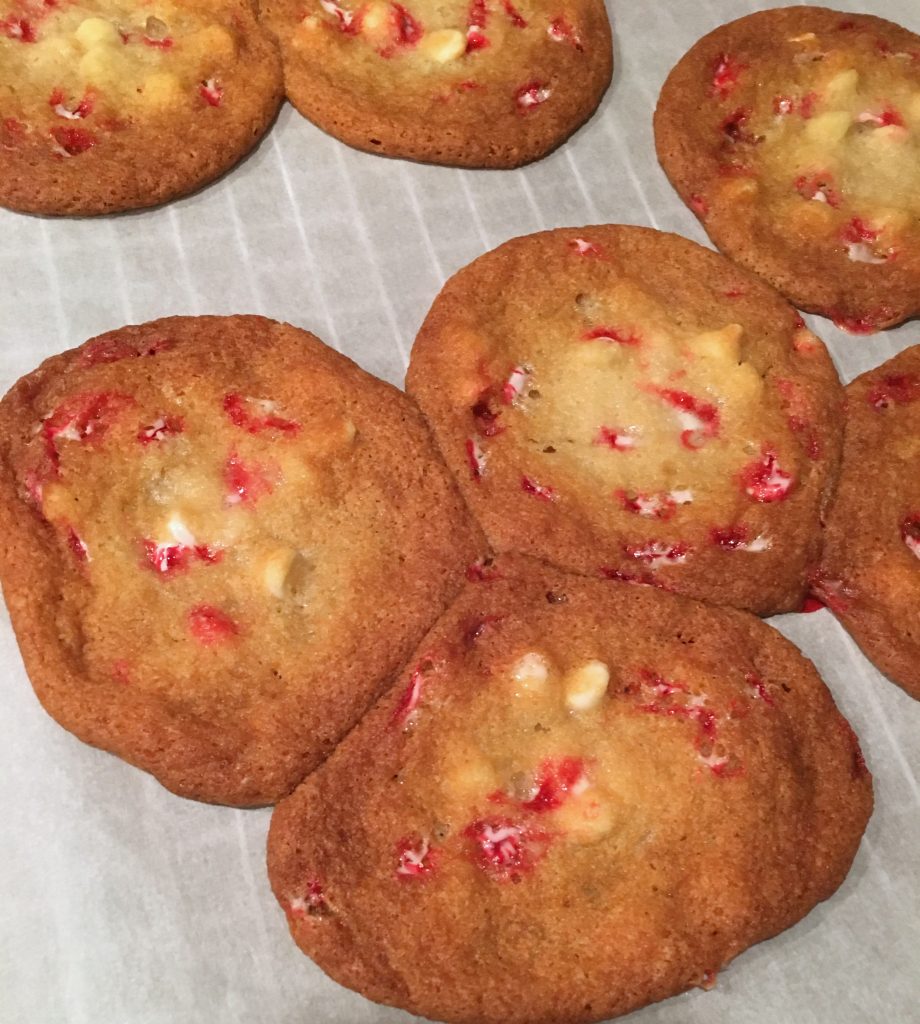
(72, 74)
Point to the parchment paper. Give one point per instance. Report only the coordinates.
(122, 904)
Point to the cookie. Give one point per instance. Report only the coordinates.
(108, 106)
(469, 83)
(794, 135)
(870, 574)
(623, 402)
(579, 798)
(219, 540)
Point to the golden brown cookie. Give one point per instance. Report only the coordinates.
(870, 576)
(471, 83)
(794, 135)
(579, 798)
(108, 106)
(624, 402)
(220, 539)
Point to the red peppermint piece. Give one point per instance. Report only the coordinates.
(109, 349)
(212, 92)
(698, 204)
(408, 30)
(210, 626)
(475, 457)
(415, 858)
(538, 490)
(531, 95)
(812, 604)
(557, 779)
(85, 417)
(765, 480)
(72, 141)
(584, 248)
(734, 126)
(560, 31)
(859, 231)
(483, 571)
(725, 74)
(895, 389)
(77, 545)
(620, 335)
(819, 187)
(72, 112)
(166, 43)
(657, 554)
(408, 703)
(257, 414)
(662, 505)
(910, 533)
(514, 15)
(170, 559)
(759, 689)
(19, 28)
(160, 429)
(246, 484)
(349, 22)
(505, 849)
(618, 440)
(700, 420)
(313, 903)
(513, 388)
(867, 323)
(486, 414)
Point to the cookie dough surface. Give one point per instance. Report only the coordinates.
(870, 577)
(626, 403)
(794, 135)
(484, 83)
(219, 540)
(107, 106)
(579, 798)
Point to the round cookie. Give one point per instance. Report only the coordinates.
(219, 539)
(870, 573)
(624, 402)
(469, 83)
(108, 106)
(579, 798)
(794, 135)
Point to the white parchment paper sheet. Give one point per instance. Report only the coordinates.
(122, 904)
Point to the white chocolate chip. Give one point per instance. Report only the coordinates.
(531, 671)
(586, 685)
(829, 129)
(443, 45)
(180, 532)
(285, 574)
(97, 32)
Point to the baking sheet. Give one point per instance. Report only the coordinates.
(122, 904)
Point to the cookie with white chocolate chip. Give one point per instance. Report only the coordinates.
(471, 83)
(203, 524)
(109, 106)
(624, 402)
(870, 573)
(794, 135)
(580, 797)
